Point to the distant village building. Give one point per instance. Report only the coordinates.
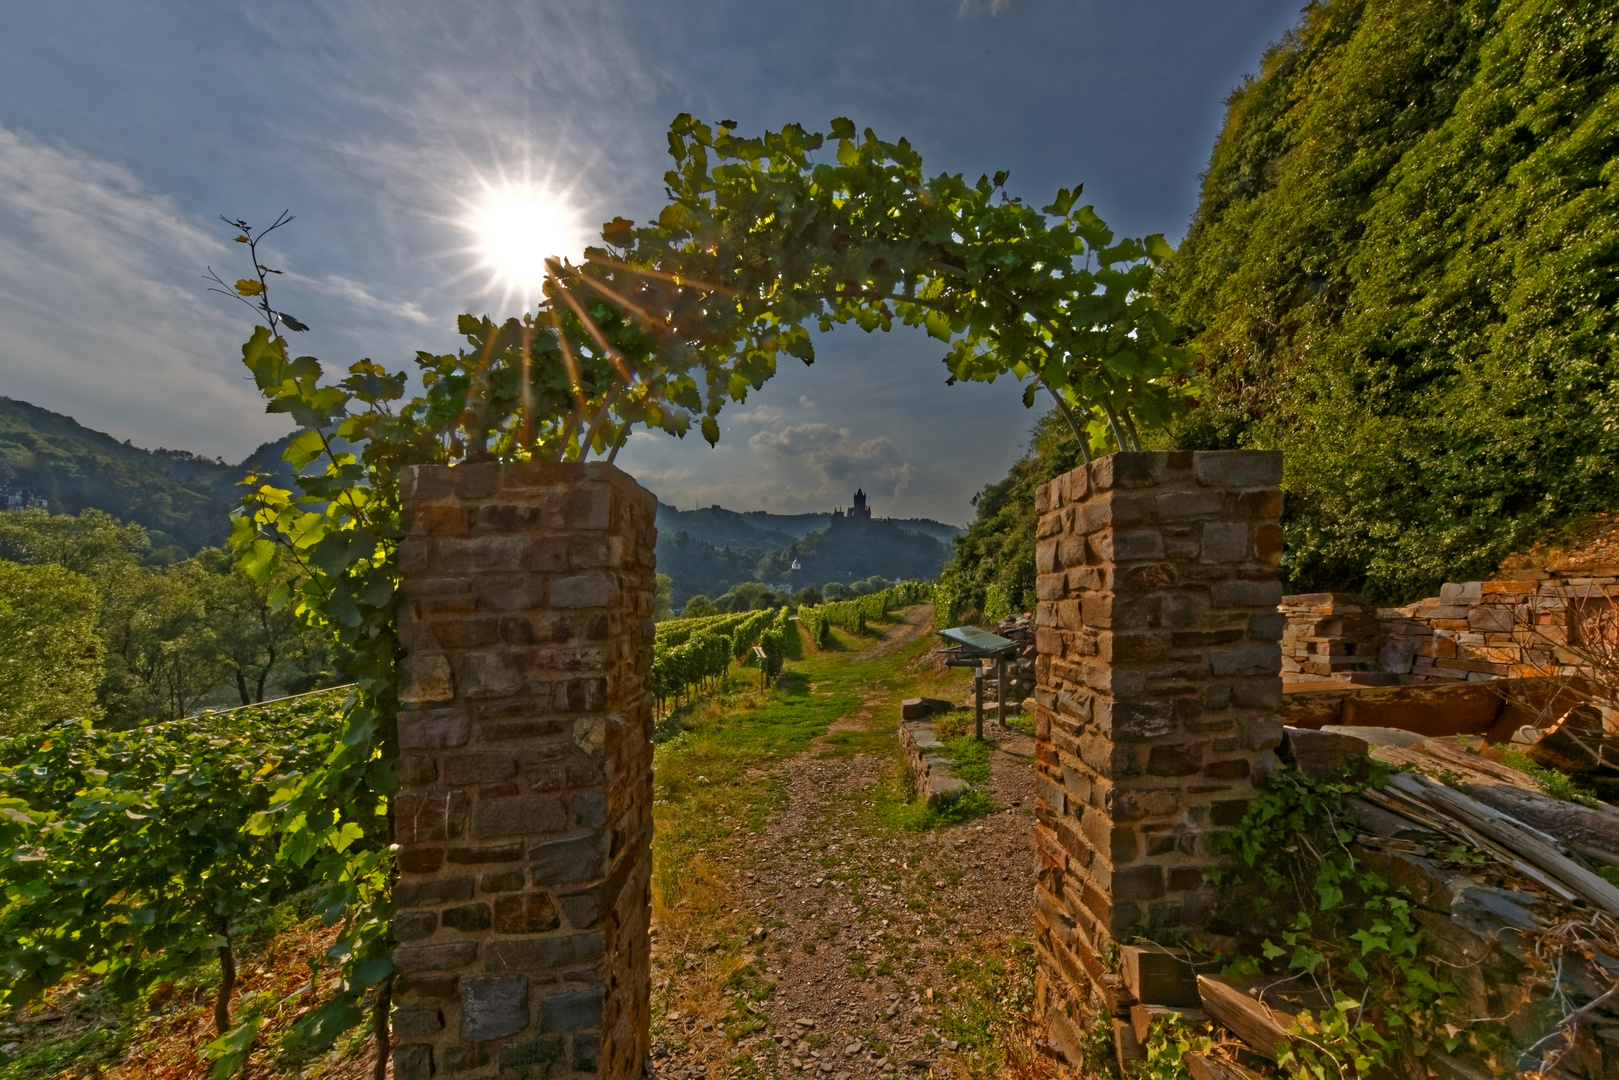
(21, 499)
(858, 514)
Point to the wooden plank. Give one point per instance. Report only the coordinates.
(1574, 825)
(1142, 1017)
(1419, 811)
(1521, 841)
(1156, 975)
(1263, 1028)
(1209, 1067)
(1462, 758)
(1129, 1051)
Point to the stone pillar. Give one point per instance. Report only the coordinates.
(1158, 681)
(525, 759)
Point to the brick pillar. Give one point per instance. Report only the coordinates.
(1158, 681)
(524, 816)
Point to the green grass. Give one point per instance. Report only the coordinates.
(993, 990)
(711, 768)
(969, 759)
(1552, 784)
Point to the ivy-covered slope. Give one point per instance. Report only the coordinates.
(1404, 272)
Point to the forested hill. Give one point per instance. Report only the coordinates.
(1404, 272)
(185, 502)
(762, 529)
(182, 499)
(708, 550)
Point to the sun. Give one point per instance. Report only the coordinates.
(515, 227)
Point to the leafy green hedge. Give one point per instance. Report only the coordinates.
(692, 664)
(1404, 273)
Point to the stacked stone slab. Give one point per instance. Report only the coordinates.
(1158, 683)
(524, 815)
(1519, 626)
(1329, 634)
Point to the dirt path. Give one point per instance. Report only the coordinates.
(916, 622)
(860, 919)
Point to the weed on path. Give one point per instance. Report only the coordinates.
(806, 921)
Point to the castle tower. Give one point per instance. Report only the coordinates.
(860, 511)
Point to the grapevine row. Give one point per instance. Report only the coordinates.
(137, 853)
(851, 615)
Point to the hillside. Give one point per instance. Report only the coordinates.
(853, 553)
(182, 499)
(760, 528)
(720, 527)
(185, 502)
(710, 549)
(992, 570)
(1402, 273)
(696, 566)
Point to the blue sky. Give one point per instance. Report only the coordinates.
(126, 129)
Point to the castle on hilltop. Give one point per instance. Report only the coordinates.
(858, 514)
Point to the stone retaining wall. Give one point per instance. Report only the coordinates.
(524, 815)
(931, 776)
(1158, 683)
(1516, 627)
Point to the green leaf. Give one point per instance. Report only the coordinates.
(230, 1051)
(843, 128)
(304, 449)
(711, 430)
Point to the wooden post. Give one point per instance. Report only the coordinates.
(978, 702)
(1000, 692)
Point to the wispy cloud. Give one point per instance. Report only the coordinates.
(102, 310)
(357, 295)
(436, 106)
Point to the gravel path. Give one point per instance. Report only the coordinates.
(858, 921)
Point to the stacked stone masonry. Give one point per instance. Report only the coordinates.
(523, 819)
(1520, 626)
(1330, 635)
(1158, 682)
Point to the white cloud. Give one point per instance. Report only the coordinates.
(834, 459)
(103, 313)
(761, 414)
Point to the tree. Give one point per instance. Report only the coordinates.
(994, 558)
(699, 607)
(663, 600)
(50, 653)
(261, 647)
(93, 543)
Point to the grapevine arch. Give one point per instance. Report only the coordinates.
(659, 327)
